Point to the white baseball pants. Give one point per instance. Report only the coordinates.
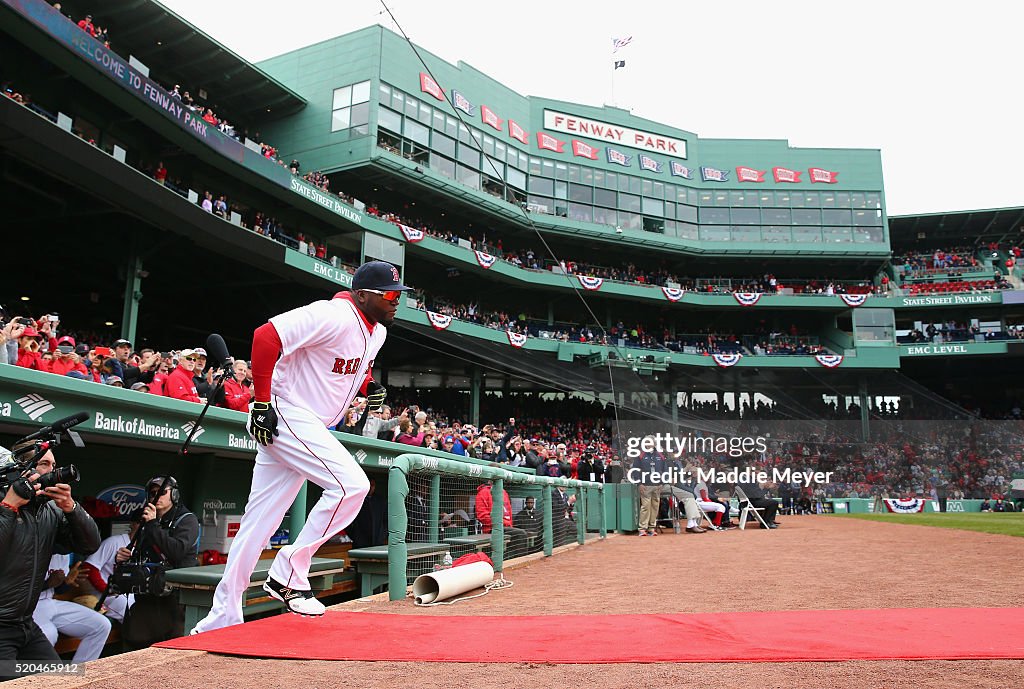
(73, 620)
(304, 450)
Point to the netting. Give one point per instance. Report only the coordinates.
(441, 510)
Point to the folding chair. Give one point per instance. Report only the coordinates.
(746, 508)
(668, 506)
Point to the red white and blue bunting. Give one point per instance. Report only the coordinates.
(726, 360)
(908, 506)
(672, 293)
(590, 283)
(853, 300)
(829, 360)
(747, 298)
(517, 340)
(411, 234)
(484, 259)
(439, 320)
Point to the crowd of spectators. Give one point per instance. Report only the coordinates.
(763, 341)
(40, 344)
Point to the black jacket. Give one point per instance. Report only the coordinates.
(585, 469)
(27, 541)
(174, 539)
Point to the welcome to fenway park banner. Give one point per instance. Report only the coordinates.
(905, 506)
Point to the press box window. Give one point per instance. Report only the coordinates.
(351, 107)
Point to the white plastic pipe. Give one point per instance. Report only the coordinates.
(445, 583)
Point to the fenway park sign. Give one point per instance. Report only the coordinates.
(613, 133)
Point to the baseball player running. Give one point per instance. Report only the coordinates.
(307, 366)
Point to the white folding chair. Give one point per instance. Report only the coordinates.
(746, 509)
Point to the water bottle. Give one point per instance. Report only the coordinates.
(447, 562)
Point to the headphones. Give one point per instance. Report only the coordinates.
(172, 483)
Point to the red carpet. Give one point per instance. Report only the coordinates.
(796, 635)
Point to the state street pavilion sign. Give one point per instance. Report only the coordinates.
(613, 133)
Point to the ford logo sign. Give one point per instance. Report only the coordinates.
(126, 498)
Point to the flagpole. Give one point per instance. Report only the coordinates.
(613, 83)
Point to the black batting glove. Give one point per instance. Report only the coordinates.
(263, 423)
(375, 395)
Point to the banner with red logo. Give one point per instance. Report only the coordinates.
(749, 174)
(428, 85)
(648, 163)
(489, 117)
(517, 132)
(822, 176)
(583, 150)
(411, 234)
(462, 103)
(680, 170)
(549, 143)
(713, 174)
(439, 320)
(782, 174)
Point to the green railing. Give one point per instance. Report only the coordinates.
(540, 486)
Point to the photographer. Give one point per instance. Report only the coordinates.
(30, 530)
(169, 539)
(9, 336)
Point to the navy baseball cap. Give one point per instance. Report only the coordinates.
(378, 275)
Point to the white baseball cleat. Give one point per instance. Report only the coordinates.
(299, 602)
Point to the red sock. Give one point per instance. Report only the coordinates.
(717, 519)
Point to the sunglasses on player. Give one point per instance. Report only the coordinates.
(388, 295)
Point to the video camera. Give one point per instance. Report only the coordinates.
(21, 462)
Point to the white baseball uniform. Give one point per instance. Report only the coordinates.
(103, 560)
(328, 349)
(64, 616)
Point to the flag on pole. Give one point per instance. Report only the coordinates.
(620, 63)
(621, 43)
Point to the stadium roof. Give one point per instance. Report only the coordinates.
(178, 52)
(952, 228)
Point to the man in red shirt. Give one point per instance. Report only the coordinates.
(87, 26)
(484, 502)
(180, 385)
(238, 388)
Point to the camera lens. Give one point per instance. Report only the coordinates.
(68, 474)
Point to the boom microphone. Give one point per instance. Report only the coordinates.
(217, 349)
(59, 426)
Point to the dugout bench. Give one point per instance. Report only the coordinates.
(371, 564)
(196, 586)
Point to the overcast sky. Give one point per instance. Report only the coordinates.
(933, 85)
